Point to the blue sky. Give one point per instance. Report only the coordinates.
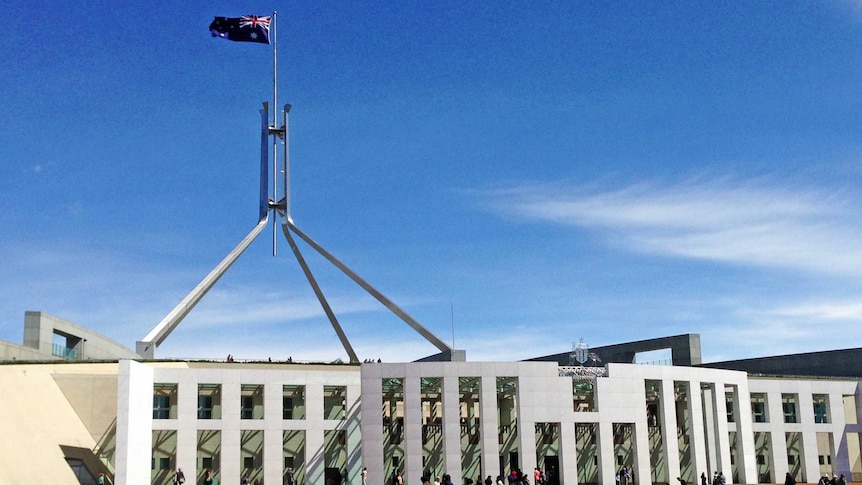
(527, 173)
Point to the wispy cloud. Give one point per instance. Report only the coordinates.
(244, 306)
(752, 223)
(823, 311)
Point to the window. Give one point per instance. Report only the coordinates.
(583, 396)
(209, 401)
(251, 401)
(161, 407)
(334, 405)
(788, 405)
(287, 407)
(207, 463)
(758, 408)
(205, 407)
(164, 401)
(728, 407)
(248, 462)
(293, 402)
(247, 407)
(821, 408)
(164, 463)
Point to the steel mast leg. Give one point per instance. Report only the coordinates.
(373, 292)
(146, 348)
(320, 297)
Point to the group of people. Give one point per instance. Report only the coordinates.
(717, 478)
(245, 481)
(516, 477)
(426, 480)
(623, 477)
(825, 480)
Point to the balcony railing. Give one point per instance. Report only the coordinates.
(65, 352)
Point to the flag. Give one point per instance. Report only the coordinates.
(248, 28)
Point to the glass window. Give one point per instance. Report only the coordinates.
(583, 395)
(293, 402)
(205, 407)
(161, 407)
(821, 408)
(251, 401)
(788, 405)
(247, 407)
(164, 401)
(209, 401)
(334, 402)
(728, 406)
(758, 408)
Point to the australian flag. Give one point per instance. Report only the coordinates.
(248, 28)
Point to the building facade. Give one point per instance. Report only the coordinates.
(323, 424)
(76, 406)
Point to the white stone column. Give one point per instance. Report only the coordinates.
(134, 423)
(605, 450)
(721, 438)
(273, 443)
(372, 423)
(810, 456)
(489, 426)
(187, 415)
(745, 452)
(315, 459)
(526, 445)
(640, 450)
(709, 428)
(451, 424)
(670, 444)
(697, 441)
(568, 454)
(412, 430)
(354, 434)
(777, 437)
(231, 437)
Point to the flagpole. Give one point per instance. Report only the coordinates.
(275, 125)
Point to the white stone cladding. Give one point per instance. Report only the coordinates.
(543, 397)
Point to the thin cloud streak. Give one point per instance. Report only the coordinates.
(249, 306)
(750, 223)
(823, 311)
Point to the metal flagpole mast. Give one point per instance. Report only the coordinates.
(275, 125)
